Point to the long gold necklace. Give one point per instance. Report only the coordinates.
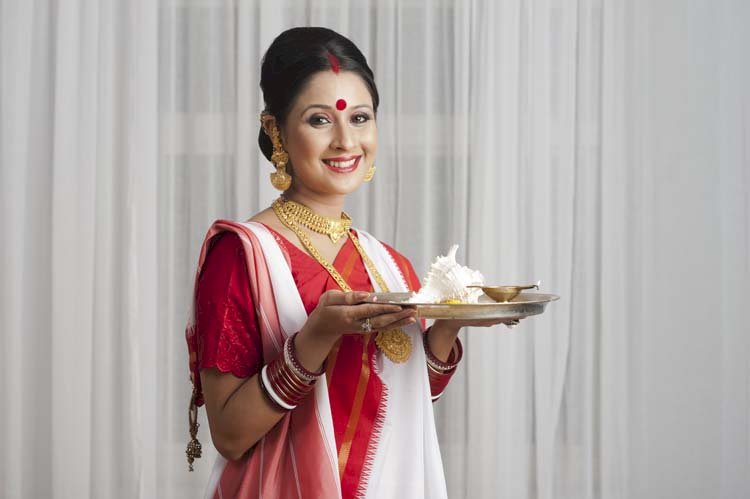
(394, 343)
(331, 227)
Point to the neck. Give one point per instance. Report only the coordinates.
(326, 204)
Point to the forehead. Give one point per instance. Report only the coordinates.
(326, 88)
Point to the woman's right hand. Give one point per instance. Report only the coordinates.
(338, 313)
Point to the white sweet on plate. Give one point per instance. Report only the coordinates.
(446, 282)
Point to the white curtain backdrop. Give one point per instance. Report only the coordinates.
(601, 146)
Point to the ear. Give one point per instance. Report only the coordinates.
(268, 122)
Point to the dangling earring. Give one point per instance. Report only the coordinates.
(370, 173)
(280, 179)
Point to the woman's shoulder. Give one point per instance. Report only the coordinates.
(225, 251)
(266, 217)
(225, 242)
(230, 230)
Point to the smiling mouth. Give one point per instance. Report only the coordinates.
(343, 165)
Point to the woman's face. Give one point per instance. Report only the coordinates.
(331, 135)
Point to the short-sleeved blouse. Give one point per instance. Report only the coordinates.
(229, 336)
(230, 339)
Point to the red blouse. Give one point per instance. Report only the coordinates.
(229, 339)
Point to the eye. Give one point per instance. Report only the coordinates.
(318, 120)
(360, 118)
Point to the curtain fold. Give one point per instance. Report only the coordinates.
(600, 146)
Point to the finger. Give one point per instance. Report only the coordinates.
(384, 326)
(397, 324)
(494, 322)
(341, 298)
(386, 321)
(364, 310)
(486, 323)
(332, 295)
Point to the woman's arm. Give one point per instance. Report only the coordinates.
(240, 414)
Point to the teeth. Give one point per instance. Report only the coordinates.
(341, 164)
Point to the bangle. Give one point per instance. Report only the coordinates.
(290, 357)
(282, 385)
(268, 390)
(285, 381)
(438, 382)
(440, 367)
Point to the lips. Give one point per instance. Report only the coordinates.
(342, 164)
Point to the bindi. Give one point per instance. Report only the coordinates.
(336, 67)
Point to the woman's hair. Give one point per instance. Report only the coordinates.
(293, 58)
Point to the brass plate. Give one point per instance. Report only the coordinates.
(524, 305)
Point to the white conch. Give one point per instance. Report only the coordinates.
(447, 280)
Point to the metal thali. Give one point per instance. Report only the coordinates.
(522, 306)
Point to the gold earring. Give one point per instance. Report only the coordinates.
(280, 179)
(370, 173)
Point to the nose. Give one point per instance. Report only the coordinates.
(343, 138)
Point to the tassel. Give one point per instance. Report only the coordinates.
(194, 447)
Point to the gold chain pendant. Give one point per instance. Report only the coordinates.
(394, 343)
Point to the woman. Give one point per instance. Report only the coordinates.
(312, 389)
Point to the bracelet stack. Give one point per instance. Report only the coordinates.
(439, 372)
(285, 381)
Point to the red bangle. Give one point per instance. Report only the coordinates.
(285, 381)
(292, 382)
(438, 382)
(282, 385)
(292, 386)
(268, 390)
(290, 356)
(457, 353)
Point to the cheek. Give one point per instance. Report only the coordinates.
(305, 146)
(369, 140)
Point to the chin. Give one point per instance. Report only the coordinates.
(342, 190)
(339, 187)
(332, 184)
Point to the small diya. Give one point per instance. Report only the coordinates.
(504, 294)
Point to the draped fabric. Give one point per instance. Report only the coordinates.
(383, 443)
(597, 145)
(276, 466)
(228, 337)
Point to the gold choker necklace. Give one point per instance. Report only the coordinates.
(331, 227)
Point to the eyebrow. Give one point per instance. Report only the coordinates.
(326, 106)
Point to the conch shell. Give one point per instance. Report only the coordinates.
(446, 282)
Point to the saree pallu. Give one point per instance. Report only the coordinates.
(298, 457)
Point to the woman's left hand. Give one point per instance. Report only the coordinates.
(443, 333)
(457, 324)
